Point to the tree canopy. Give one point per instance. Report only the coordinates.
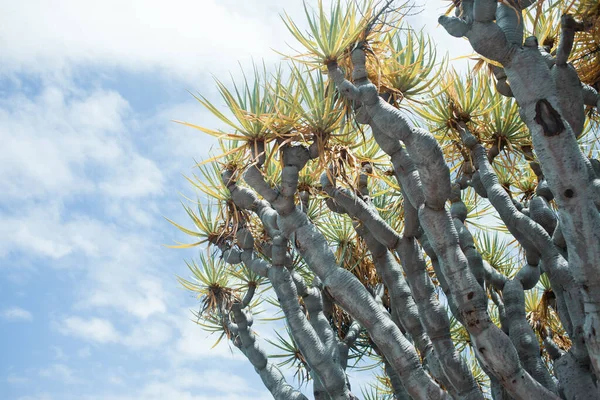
(437, 224)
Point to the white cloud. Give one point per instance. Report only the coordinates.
(130, 213)
(193, 343)
(146, 178)
(16, 379)
(61, 373)
(180, 145)
(176, 337)
(64, 142)
(209, 380)
(84, 352)
(188, 384)
(115, 380)
(138, 296)
(92, 329)
(181, 38)
(59, 353)
(120, 267)
(148, 335)
(25, 238)
(127, 279)
(44, 396)
(52, 231)
(151, 334)
(16, 314)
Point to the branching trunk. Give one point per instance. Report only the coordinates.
(492, 345)
(551, 105)
(344, 287)
(557, 228)
(315, 338)
(269, 373)
(431, 313)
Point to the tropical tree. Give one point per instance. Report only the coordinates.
(439, 226)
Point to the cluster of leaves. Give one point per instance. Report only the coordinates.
(586, 54)
(218, 287)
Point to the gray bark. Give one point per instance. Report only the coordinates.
(344, 287)
(492, 345)
(550, 99)
(565, 245)
(272, 378)
(315, 339)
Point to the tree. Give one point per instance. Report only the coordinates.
(376, 235)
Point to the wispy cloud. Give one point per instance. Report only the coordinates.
(64, 142)
(92, 329)
(13, 379)
(187, 384)
(44, 396)
(101, 331)
(180, 38)
(195, 344)
(61, 373)
(16, 314)
(65, 145)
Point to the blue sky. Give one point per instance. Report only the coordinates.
(90, 162)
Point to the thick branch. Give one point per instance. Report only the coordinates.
(320, 352)
(431, 313)
(357, 301)
(271, 376)
(522, 335)
(493, 346)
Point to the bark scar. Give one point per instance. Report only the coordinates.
(548, 118)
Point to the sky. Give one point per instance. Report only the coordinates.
(90, 164)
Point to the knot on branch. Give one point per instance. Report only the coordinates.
(532, 42)
(567, 22)
(369, 94)
(296, 156)
(548, 118)
(245, 239)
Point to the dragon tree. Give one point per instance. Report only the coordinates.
(439, 225)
